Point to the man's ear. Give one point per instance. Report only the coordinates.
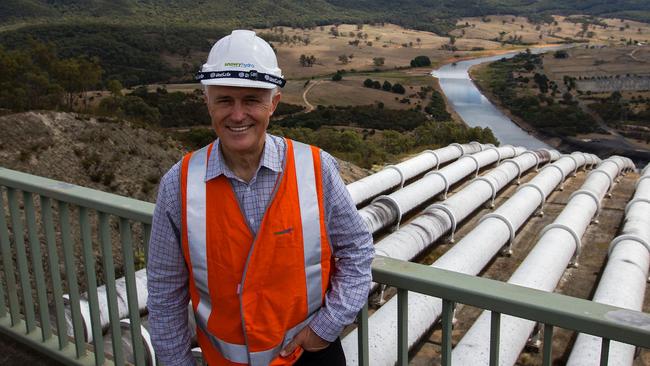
(274, 102)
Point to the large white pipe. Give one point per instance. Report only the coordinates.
(438, 219)
(102, 297)
(468, 256)
(395, 175)
(542, 268)
(387, 210)
(623, 282)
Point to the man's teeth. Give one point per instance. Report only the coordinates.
(239, 129)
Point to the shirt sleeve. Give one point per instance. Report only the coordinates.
(167, 277)
(353, 252)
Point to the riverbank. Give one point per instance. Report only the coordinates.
(474, 75)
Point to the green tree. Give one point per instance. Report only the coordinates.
(115, 87)
(386, 86)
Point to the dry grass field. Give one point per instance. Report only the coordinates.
(617, 31)
(600, 61)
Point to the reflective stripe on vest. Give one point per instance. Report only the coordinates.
(196, 234)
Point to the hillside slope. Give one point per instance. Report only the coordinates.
(112, 156)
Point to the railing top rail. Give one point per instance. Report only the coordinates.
(582, 315)
(105, 202)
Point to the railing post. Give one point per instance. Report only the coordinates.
(55, 275)
(111, 293)
(362, 336)
(131, 292)
(548, 345)
(71, 279)
(402, 327)
(604, 352)
(7, 265)
(447, 319)
(91, 280)
(21, 256)
(495, 337)
(37, 266)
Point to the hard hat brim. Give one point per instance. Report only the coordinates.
(241, 83)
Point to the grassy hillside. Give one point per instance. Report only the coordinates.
(420, 14)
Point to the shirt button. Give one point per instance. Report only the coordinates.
(252, 222)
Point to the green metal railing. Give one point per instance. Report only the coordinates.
(96, 212)
(31, 297)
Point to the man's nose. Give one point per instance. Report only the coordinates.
(238, 112)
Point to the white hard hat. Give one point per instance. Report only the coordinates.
(242, 59)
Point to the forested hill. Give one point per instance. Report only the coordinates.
(421, 14)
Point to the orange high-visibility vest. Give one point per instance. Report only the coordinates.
(252, 294)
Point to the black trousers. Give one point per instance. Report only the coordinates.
(331, 356)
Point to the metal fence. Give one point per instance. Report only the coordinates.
(109, 236)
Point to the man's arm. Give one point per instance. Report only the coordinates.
(167, 277)
(353, 249)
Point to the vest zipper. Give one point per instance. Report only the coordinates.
(250, 252)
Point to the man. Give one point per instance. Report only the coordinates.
(257, 231)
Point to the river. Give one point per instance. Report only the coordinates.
(475, 109)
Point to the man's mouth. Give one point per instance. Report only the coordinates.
(239, 128)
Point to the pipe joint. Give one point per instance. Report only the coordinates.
(478, 165)
(631, 237)
(542, 196)
(506, 221)
(444, 179)
(402, 178)
(390, 201)
(633, 201)
(594, 197)
(498, 153)
(534, 156)
(435, 155)
(518, 168)
(561, 174)
(576, 238)
(459, 146)
(451, 215)
(492, 187)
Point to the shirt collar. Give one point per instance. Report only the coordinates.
(271, 159)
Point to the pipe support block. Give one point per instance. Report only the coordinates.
(451, 215)
(394, 204)
(635, 200)
(561, 173)
(492, 187)
(593, 196)
(632, 237)
(401, 174)
(578, 242)
(542, 196)
(444, 179)
(505, 220)
(498, 153)
(478, 165)
(459, 146)
(435, 155)
(534, 156)
(518, 168)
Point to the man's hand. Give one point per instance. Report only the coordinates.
(307, 339)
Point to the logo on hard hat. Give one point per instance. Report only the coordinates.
(239, 64)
